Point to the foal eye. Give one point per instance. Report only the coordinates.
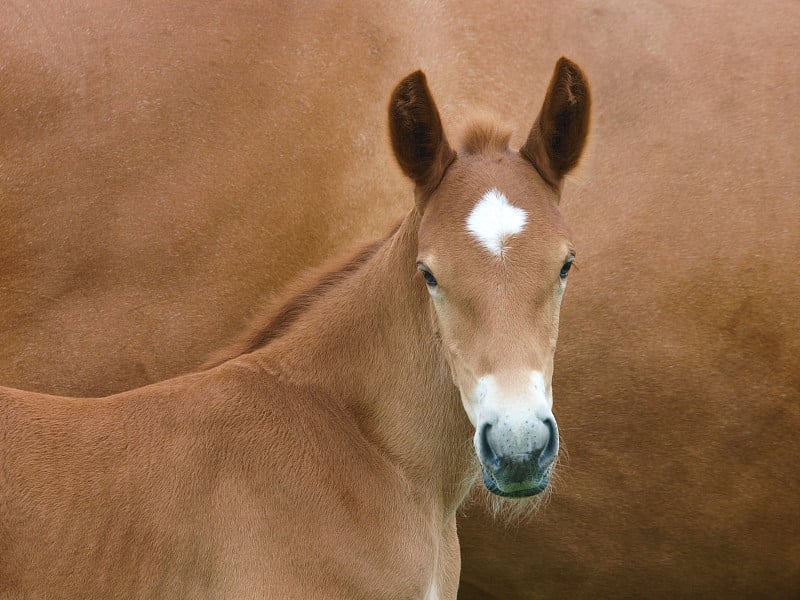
(430, 280)
(565, 269)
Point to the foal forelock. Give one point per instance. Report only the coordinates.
(493, 219)
(484, 135)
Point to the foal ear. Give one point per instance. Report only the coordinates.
(558, 136)
(417, 136)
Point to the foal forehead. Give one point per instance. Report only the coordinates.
(494, 220)
(495, 207)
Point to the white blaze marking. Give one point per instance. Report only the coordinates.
(518, 416)
(537, 396)
(433, 593)
(494, 220)
(538, 387)
(528, 404)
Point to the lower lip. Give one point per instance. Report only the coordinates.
(533, 491)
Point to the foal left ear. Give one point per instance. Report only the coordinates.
(558, 136)
(417, 136)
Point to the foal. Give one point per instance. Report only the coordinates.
(329, 461)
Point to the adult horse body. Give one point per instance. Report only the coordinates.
(330, 462)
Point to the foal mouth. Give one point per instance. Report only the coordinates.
(536, 488)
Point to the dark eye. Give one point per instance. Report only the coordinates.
(565, 269)
(430, 280)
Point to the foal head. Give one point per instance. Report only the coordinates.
(494, 254)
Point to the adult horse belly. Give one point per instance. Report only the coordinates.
(165, 173)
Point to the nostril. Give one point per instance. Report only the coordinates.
(488, 454)
(550, 451)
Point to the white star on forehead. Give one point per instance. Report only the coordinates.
(494, 219)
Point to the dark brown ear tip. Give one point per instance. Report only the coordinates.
(410, 83)
(407, 96)
(418, 75)
(574, 76)
(566, 63)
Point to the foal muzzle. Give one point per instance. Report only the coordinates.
(517, 463)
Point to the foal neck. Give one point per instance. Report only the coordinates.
(371, 345)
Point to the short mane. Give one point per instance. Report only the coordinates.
(485, 135)
(295, 300)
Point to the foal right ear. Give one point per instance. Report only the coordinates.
(418, 139)
(556, 141)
